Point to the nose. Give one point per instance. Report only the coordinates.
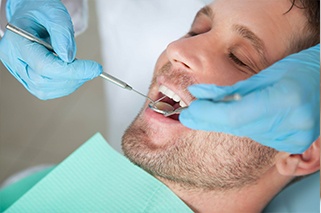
(187, 53)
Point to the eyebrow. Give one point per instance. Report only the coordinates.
(243, 31)
(256, 42)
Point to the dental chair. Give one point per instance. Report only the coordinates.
(300, 197)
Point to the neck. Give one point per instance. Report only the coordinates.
(248, 199)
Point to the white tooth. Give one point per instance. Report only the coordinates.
(169, 93)
(166, 91)
(176, 98)
(182, 104)
(162, 89)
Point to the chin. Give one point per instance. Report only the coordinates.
(196, 159)
(146, 135)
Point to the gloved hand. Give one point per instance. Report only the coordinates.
(280, 106)
(44, 74)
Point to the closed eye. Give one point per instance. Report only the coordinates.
(236, 60)
(243, 67)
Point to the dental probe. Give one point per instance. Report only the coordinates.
(122, 84)
(104, 75)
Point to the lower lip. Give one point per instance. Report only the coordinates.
(152, 115)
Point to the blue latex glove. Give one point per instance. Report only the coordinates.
(41, 72)
(280, 106)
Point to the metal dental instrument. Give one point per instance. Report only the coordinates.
(122, 84)
(104, 75)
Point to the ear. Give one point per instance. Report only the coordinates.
(300, 164)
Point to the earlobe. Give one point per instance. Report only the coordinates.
(300, 164)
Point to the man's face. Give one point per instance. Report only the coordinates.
(230, 40)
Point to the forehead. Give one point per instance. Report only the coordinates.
(252, 7)
(271, 20)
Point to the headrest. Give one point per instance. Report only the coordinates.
(301, 196)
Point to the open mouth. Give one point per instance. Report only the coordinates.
(171, 98)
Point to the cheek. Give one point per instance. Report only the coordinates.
(217, 70)
(161, 61)
(222, 73)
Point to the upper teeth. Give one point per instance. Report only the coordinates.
(169, 93)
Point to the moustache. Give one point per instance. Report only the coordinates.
(179, 77)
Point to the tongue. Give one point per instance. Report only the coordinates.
(176, 106)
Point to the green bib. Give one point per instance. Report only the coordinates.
(94, 178)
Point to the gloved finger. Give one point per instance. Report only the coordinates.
(11, 42)
(257, 115)
(62, 37)
(43, 88)
(60, 28)
(46, 64)
(204, 115)
(301, 141)
(231, 116)
(45, 84)
(57, 23)
(287, 141)
(210, 91)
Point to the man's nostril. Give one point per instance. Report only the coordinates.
(186, 65)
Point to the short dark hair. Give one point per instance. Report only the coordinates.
(312, 29)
